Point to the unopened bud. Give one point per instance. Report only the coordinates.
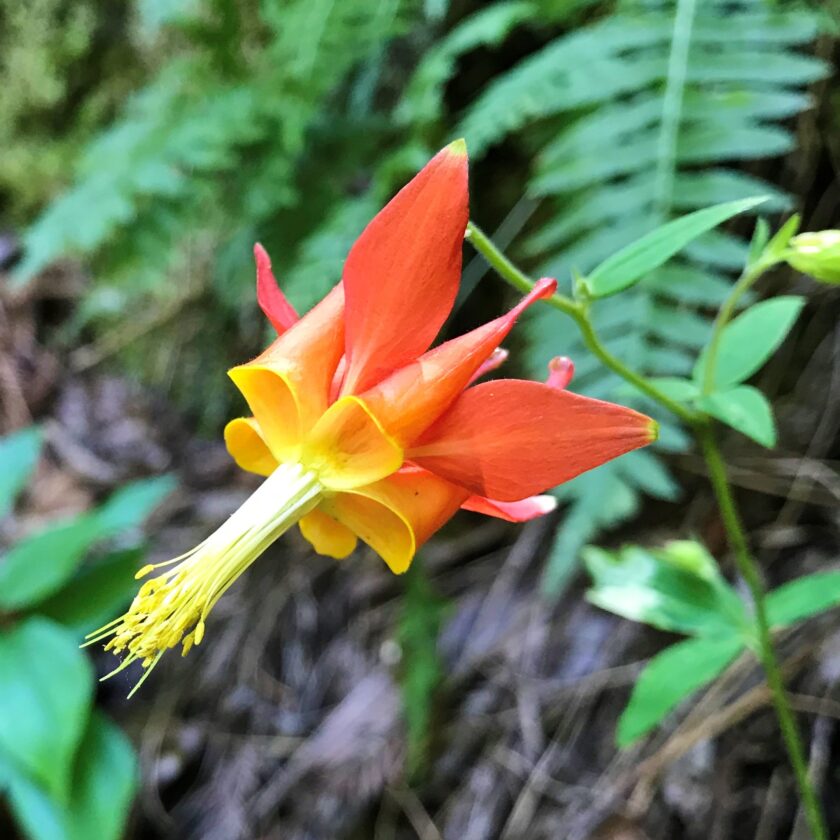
(816, 254)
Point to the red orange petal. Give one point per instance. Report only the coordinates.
(509, 439)
(521, 511)
(401, 275)
(412, 398)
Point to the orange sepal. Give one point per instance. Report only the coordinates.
(412, 398)
(401, 275)
(510, 439)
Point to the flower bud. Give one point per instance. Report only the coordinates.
(816, 254)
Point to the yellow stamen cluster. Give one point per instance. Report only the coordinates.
(171, 608)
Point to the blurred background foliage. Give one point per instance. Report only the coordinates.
(67, 771)
(151, 143)
(291, 122)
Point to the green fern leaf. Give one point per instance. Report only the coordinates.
(645, 115)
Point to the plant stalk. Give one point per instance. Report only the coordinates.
(700, 424)
(751, 574)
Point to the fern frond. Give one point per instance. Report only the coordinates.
(422, 101)
(647, 114)
(210, 156)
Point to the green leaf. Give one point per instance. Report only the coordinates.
(104, 782)
(130, 505)
(96, 593)
(746, 410)
(649, 474)
(803, 598)
(18, 456)
(749, 340)
(37, 814)
(778, 244)
(423, 97)
(675, 387)
(632, 263)
(670, 677)
(39, 566)
(760, 238)
(154, 15)
(677, 588)
(45, 701)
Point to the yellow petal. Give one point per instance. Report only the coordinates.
(327, 535)
(387, 533)
(398, 514)
(348, 447)
(245, 443)
(274, 403)
(287, 386)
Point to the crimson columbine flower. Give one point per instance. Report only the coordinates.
(364, 433)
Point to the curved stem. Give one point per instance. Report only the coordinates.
(593, 343)
(752, 576)
(508, 271)
(579, 312)
(747, 565)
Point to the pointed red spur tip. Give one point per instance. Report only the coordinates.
(544, 288)
(561, 369)
(274, 304)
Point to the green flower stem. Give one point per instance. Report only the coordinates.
(749, 570)
(747, 566)
(579, 312)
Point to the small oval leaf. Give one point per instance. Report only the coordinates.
(749, 341)
(746, 410)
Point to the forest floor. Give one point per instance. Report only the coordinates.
(287, 723)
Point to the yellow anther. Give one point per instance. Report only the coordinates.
(170, 608)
